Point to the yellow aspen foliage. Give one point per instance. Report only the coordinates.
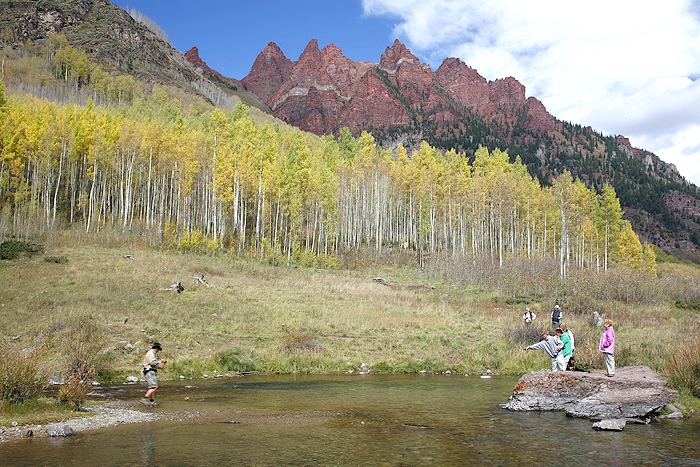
(648, 259)
(3, 99)
(488, 163)
(628, 250)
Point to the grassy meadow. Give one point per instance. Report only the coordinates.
(91, 303)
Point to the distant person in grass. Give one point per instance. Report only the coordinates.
(552, 347)
(607, 346)
(529, 316)
(556, 316)
(151, 365)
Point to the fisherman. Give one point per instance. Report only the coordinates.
(151, 365)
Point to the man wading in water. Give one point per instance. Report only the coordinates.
(151, 364)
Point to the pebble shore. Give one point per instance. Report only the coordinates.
(109, 414)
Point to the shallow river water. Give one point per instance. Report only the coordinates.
(353, 420)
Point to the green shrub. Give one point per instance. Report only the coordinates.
(428, 364)
(189, 368)
(237, 360)
(20, 379)
(56, 259)
(692, 304)
(12, 249)
(108, 376)
(382, 367)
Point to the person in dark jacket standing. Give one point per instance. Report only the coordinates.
(556, 316)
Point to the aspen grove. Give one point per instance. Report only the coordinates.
(219, 180)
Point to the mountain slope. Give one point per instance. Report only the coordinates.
(113, 39)
(402, 101)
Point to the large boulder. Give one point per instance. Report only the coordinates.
(634, 392)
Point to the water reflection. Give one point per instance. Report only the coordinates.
(147, 450)
(375, 420)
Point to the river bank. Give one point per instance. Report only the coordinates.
(537, 391)
(94, 417)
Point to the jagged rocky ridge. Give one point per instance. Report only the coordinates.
(401, 100)
(113, 39)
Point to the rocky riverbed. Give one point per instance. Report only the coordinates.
(100, 416)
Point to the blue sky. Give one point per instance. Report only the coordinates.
(231, 34)
(629, 67)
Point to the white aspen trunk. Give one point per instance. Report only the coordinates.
(58, 183)
(103, 205)
(215, 203)
(244, 217)
(122, 183)
(128, 189)
(161, 204)
(377, 215)
(607, 246)
(528, 226)
(149, 218)
(91, 197)
(500, 237)
(275, 232)
(564, 243)
(258, 210)
(236, 209)
(46, 192)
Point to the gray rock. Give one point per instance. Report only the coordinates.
(634, 392)
(132, 379)
(627, 402)
(58, 430)
(129, 347)
(597, 319)
(638, 421)
(55, 380)
(610, 424)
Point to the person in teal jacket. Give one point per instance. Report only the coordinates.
(566, 350)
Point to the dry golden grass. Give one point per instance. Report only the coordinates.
(287, 319)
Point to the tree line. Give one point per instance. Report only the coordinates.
(220, 180)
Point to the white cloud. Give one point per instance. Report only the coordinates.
(624, 67)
